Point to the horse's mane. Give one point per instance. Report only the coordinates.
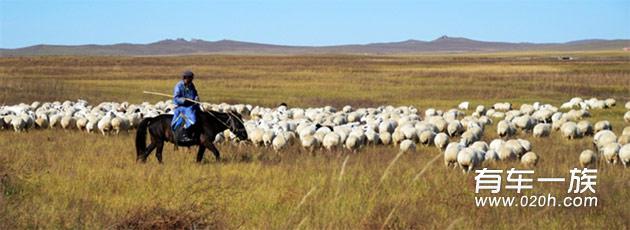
(161, 116)
(223, 115)
(214, 112)
(217, 114)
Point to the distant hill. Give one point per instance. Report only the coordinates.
(197, 46)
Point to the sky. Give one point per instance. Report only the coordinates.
(328, 22)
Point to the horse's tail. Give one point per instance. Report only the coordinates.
(141, 137)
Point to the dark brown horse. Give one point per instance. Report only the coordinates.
(206, 128)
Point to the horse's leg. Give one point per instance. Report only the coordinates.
(200, 153)
(214, 150)
(158, 152)
(156, 141)
(147, 152)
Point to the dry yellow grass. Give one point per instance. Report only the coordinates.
(59, 179)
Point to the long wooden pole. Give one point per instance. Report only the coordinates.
(167, 95)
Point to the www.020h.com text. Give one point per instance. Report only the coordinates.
(535, 201)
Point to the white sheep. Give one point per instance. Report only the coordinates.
(268, 137)
(29, 118)
(385, 138)
(481, 110)
(529, 159)
(502, 106)
(480, 155)
(610, 102)
(67, 122)
(626, 117)
(54, 120)
(310, 143)
(450, 154)
(361, 138)
(82, 123)
(495, 114)
(467, 159)
(464, 105)
(18, 124)
(517, 146)
(524, 122)
(42, 121)
(557, 124)
(430, 112)
(602, 125)
(256, 136)
(624, 155)
(91, 125)
(468, 138)
(569, 130)
(410, 133)
(588, 158)
(507, 152)
(604, 137)
(219, 138)
(610, 152)
(623, 139)
(542, 130)
(8, 119)
(407, 146)
(331, 141)
(441, 140)
(484, 120)
(426, 137)
(527, 146)
(353, 143)
(543, 115)
(527, 109)
(372, 137)
(386, 126)
(134, 119)
(505, 128)
(496, 144)
(626, 131)
(585, 128)
(454, 128)
(397, 137)
(119, 124)
(480, 146)
(279, 142)
(439, 123)
(491, 155)
(105, 125)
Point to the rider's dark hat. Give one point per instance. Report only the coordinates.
(188, 74)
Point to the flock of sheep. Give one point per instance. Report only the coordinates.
(458, 134)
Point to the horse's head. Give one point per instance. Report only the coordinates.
(235, 121)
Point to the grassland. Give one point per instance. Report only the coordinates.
(57, 179)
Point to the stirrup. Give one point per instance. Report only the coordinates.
(185, 138)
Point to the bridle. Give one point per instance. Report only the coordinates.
(231, 117)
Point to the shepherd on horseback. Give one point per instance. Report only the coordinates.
(188, 126)
(184, 114)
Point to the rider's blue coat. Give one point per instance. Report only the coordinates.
(185, 110)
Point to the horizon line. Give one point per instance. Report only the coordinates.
(299, 45)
